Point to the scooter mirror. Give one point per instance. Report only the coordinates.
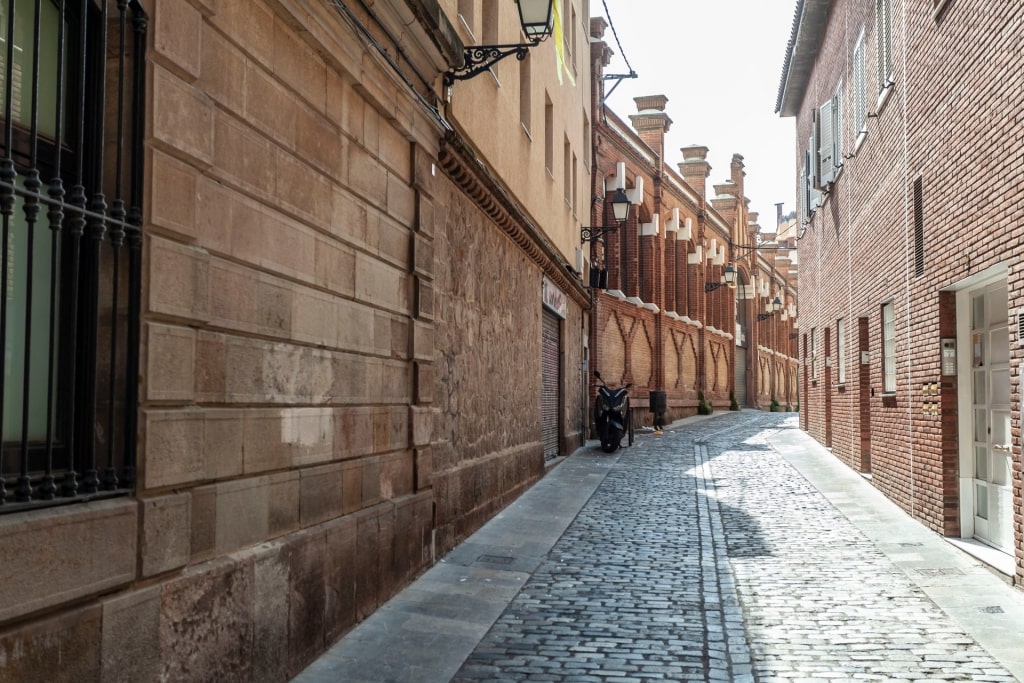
(597, 374)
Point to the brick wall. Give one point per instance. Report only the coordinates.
(942, 124)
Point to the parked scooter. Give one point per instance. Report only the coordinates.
(612, 416)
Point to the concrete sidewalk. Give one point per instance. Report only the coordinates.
(426, 632)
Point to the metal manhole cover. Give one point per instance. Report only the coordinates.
(495, 559)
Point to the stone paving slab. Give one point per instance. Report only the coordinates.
(729, 549)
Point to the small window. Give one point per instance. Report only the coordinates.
(814, 353)
(860, 96)
(841, 349)
(467, 15)
(883, 35)
(888, 348)
(549, 136)
(525, 92)
(567, 172)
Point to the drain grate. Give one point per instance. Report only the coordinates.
(949, 571)
(911, 545)
(993, 609)
(495, 559)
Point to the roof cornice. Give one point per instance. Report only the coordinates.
(808, 30)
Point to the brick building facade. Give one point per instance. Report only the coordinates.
(286, 278)
(910, 345)
(662, 318)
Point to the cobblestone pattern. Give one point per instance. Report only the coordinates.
(704, 556)
(820, 601)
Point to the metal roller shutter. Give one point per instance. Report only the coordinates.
(550, 382)
(741, 376)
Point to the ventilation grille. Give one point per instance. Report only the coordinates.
(1020, 329)
(918, 228)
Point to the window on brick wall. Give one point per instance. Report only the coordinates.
(860, 88)
(888, 348)
(829, 148)
(883, 37)
(841, 349)
(71, 188)
(814, 353)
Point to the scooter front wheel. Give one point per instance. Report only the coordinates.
(610, 446)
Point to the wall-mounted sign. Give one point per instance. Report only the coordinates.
(554, 299)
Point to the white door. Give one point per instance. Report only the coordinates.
(990, 402)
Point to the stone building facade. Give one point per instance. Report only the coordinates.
(663, 320)
(910, 346)
(318, 318)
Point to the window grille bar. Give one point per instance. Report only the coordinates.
(133, 233)
(7, 178)
(55, 191)
(30, 206)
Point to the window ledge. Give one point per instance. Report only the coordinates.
(883, 97)
(861, 137)
(940, 7)
(526, 131)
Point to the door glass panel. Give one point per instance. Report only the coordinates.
(1000, 351)
(1001, 428)
(981, 500)
(977, 313)
(981, 426)
(980, 462)
(998, 307)
(979, 389)
(1000, 387)
(1001, 468)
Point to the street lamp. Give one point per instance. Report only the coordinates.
(537, 20)
(620, 212)
(771, 309)
(728, 279)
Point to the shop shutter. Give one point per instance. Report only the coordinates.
(741, 376)
(550, 382)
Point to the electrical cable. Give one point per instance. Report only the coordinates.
(616, 35)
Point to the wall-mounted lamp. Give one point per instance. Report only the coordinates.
(728, 279)
(620, 212)
(771, 309)
(537, 20)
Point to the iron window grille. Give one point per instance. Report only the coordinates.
(71, 88)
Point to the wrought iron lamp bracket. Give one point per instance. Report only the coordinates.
(480, 58)
(594, 233)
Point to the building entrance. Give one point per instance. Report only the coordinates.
(986, 470)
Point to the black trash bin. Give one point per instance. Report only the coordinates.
(659, 406)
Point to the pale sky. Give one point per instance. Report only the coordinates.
(719, 63)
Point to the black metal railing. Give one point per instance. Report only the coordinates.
(72, 83)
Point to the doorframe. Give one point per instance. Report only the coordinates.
(965, 382)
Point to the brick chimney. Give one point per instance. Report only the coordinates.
(651, 121)
(695, 168)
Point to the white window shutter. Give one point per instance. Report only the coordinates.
(860, 99)
(837, 131)
(812, 146)
(826, 145)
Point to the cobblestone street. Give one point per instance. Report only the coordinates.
(732, 548)
(705, 556)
